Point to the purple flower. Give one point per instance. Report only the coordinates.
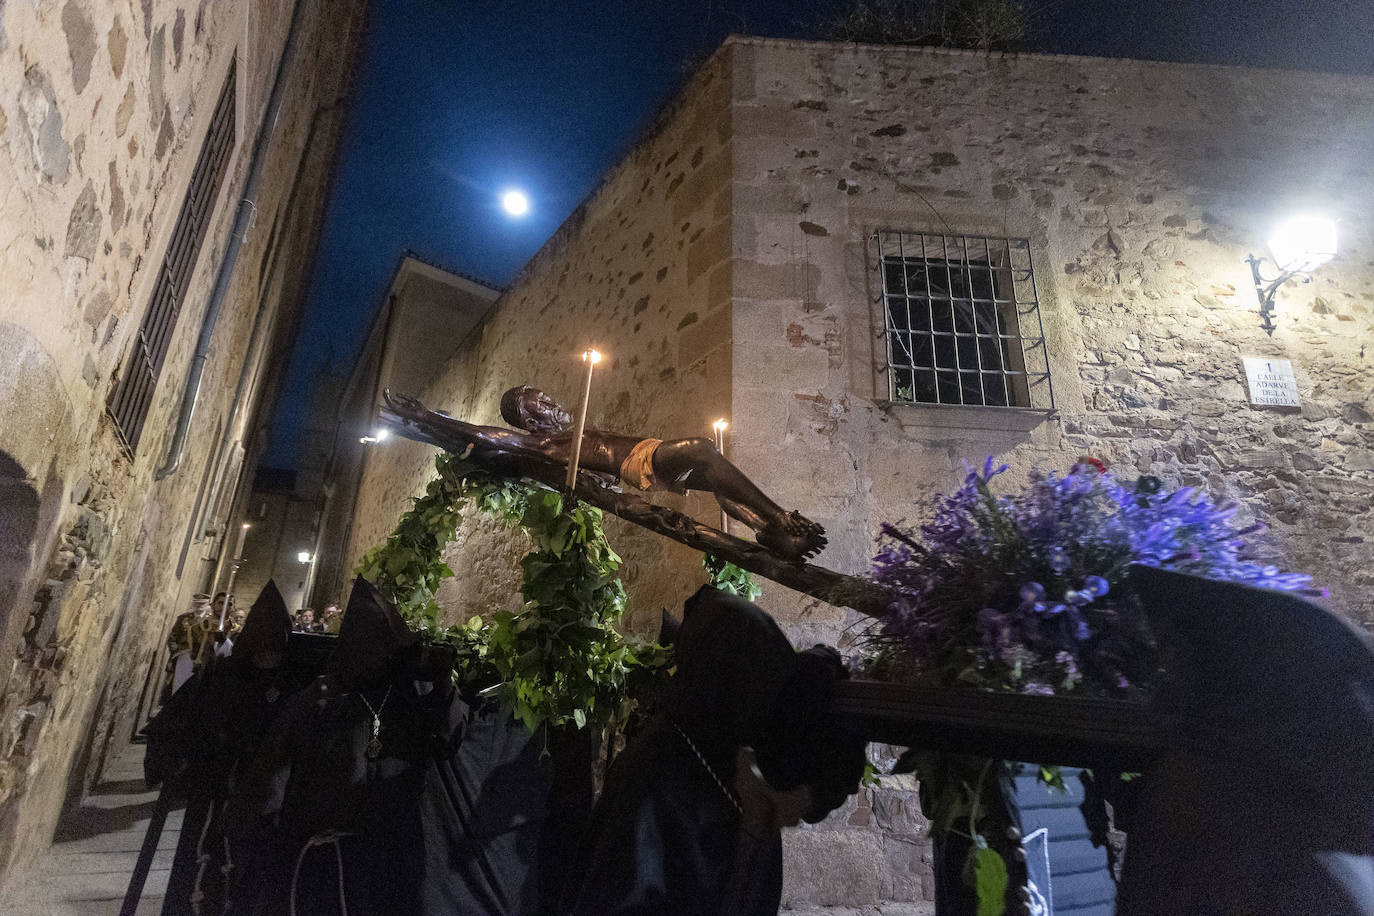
(1096, 585)
(971, 606)
(1059, 560)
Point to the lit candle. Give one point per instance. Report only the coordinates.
(243, 536)
(719, 427)
(591, 358)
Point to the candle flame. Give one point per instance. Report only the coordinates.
(246, 526)
(720, 425)
(593, 355)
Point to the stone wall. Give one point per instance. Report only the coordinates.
(642, 271)
(1141, 187)
(103, 113)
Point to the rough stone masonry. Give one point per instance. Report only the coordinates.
(727, 266)
(104, 109)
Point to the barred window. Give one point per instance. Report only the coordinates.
(962, 321)
(133, 394)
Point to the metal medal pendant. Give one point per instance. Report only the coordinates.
(374, 746)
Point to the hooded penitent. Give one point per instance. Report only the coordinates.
(371, 637)
(380, 791)
(1265, 802)
(267, 627)
(732, 662)
(667, 835)
(204, 739)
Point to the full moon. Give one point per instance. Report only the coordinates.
(516, 203)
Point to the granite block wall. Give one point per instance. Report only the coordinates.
(728, 267)
(1141, 187)
(642, 271)
(103, 111)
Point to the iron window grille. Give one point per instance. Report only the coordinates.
(132, 396)
(962, 321)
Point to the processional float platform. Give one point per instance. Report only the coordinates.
(1111, 735)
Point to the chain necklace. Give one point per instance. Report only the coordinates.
(374, 746)
(728, 794)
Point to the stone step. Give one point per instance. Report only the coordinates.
(148, 906)
(86, 870)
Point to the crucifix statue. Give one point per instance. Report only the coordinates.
(542, 432)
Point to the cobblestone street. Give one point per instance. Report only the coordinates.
(86, 871)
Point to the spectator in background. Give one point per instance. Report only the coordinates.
(305, 621)
(330, 619)
(186, 640)
(217, 608)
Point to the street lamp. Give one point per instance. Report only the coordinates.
(380, 435)
(304, 556)
(1299, 246)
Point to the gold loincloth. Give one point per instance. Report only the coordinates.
(637, 470)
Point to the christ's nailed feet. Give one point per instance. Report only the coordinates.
(793, 536)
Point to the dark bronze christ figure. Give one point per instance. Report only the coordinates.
(639, 463)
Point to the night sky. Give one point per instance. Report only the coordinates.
(458, 100)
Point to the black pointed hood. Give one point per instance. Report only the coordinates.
(268, 624)
(1256, 657)
(370, 636)
(732, 663)
(1270, 681)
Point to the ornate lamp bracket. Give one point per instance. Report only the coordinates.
(1266, 289)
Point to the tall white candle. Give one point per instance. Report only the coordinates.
(719, 428)
(591, 358)
(243, 536)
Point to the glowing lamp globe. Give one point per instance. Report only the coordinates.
(515, 203)
(1303, 244)
(303, 556)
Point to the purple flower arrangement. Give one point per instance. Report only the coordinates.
(1023, 591)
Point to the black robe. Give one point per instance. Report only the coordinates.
(447, 817)
(203, 740)
(1265, 801)
(668, 835)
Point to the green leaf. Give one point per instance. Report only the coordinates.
(560, 659)
(989, 878)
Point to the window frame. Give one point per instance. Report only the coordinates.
(1009, 297)
(132, 395)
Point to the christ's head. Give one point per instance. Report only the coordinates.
(531, 409)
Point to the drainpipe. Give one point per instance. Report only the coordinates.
(228, 440)
(237, 235)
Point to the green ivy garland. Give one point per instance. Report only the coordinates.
(559, 659)
(728, 577)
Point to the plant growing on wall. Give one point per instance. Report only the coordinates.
(559, 658)
(985, 25)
